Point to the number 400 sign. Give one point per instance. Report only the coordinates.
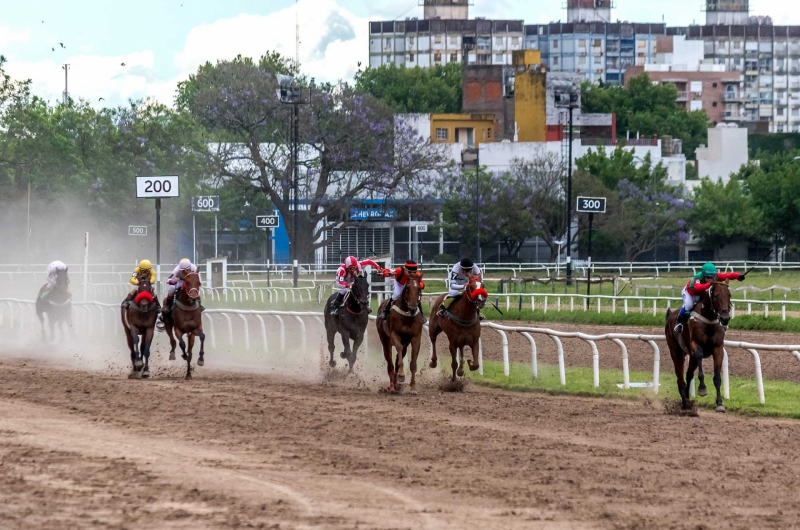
(157, 187)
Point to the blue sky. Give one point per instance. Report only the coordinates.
(131, 49)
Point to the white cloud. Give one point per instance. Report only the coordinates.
(10, 36)
(333, 40)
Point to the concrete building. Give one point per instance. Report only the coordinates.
(726, 152)
(701, 84)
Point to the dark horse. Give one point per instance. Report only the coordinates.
(403, 327)
(139, 319)
(350, 323)
(462, 325)
(57, 305)
(704, 336)
(186, 319)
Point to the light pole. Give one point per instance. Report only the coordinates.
(568, 96)
(291, 94)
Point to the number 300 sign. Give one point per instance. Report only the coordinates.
(157, 187)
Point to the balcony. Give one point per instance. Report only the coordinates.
(732, 96)
(732, 115)
(682, 96)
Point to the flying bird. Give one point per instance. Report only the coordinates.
(122, 64)
(62, 45)
(53, 49)
(101, 99)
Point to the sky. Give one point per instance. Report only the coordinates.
(128, 49)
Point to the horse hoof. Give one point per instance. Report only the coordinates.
(343, 355)
(460, 372)
(332, 363)
(188, 376)
(702, 391)
(138, 364)
(401, 378)
(184, 356)
(200, 362)
(720, 408)
(473, 367)
(172, 356)
(432, 364)
(145, 373)
(393, 390)
(412, 392)
(132, 375)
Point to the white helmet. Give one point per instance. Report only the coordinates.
(185, 264)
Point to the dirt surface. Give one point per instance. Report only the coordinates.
(93, 449)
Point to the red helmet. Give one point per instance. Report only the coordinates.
(351, 261)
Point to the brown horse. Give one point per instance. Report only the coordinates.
(186, 319)
(58, 306)
(462, 325)
(139, 319)
(350, 322)
(403, 327)
(705, 337)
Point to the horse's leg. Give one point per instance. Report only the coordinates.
(346, 353)
(433, 332)
(387, 354)
(357, 340)
(401, 368)
(137, 360)
(129, 339)
(678, 362)
(473, 364)
(690, 374)
(718, 356)
(199, 333)
(415, 344)
(698, 355)
(454, 360)
(331, 333)
(188, 354)
(181, 343)
(169, 328)
(145, 350)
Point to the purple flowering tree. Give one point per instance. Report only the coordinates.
(351, 147)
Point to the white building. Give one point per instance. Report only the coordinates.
(725, 155)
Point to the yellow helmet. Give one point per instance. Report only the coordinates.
(145, 264)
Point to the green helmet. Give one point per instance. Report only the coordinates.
(709, 269)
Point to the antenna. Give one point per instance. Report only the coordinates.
(297, 32)
(66, 84)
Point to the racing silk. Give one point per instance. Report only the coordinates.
(458, 276)
(52, 272)
(695, 287)
(344, 279)
(142, 274)
(400, 275)
(177, 273)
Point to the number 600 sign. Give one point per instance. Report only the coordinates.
(157, 187)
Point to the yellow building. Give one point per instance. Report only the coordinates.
(530, 96)
(468, 129)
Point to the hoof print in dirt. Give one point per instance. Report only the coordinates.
(673, 408)
(453, 386)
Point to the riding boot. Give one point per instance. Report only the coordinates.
(683, 317)
(385, 312)
(336, 304)
(127, 302)
(446, 303)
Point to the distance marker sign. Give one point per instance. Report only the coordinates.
(591, 205)
(157, 187)
(267, 221)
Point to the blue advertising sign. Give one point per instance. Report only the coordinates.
(372, 214)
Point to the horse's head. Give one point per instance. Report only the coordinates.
(360, 291)
(476, 293)
(412, 294)
(145, 286)
(191, 285)
(720, 301)
(62, 280)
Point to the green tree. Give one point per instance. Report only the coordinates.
(414, 90)
(725, 213)
(648, 109)
(776, 193)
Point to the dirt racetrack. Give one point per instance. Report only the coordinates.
(92, 449)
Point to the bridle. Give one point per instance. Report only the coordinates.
(360, 303)
(186, 288)
(711, 302)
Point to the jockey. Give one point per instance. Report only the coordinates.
(142, 272)
(399, 284)
(346, 275)
(52, 276)
(175, 282)
(695, 287)
(460, 276)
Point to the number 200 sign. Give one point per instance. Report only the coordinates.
(157, 187)
(591, 204)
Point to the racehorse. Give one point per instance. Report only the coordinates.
(705, 335)
(186, 319)
(462, 325)
(403, 327)
(139, 319)
(57, 305)
(350, 323)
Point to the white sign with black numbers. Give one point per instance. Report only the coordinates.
(205, 203)
(157, 187)
(137, 230)
(591, 204)
(422, 228)
(267, 221)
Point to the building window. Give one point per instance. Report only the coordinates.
(555, 44)
(597, 43)
(714, 85)
(555, 61)
(582, 43)
(641, 44)
(780, 112)
(499, 58)
(598, 60)
(795, 112)
(714, 104)
(442, 133)
(696, 87)
(411, 57)
(411, 42)
(453, 57)
(515, 41)
(437, 39)
(453, 40)
(498, 41)
(581, 61)
(437, 57)
(737, 45)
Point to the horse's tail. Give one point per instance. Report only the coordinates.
(669, 312)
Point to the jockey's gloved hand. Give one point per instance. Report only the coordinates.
(741, 278)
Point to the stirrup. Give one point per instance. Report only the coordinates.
(678, 328)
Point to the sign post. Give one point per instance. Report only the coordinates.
(590, 205)
(157, 188)
(204, 203)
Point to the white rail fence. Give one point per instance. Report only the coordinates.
(16, 313)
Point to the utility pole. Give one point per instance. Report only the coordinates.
(66, 83)
(478, 204)
(567, 95)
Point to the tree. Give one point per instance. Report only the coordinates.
(776, 193)
(414, 90)
(724, 213)
(352, 148)
(648, 109)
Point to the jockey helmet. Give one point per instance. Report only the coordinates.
(185, 264)
(145, 264)
(351, 261)
(709, 269)
(466, 263)
(411, 266)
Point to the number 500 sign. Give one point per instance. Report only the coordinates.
(157, 187)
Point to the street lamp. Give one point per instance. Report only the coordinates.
(568, 96)
(291, 94)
